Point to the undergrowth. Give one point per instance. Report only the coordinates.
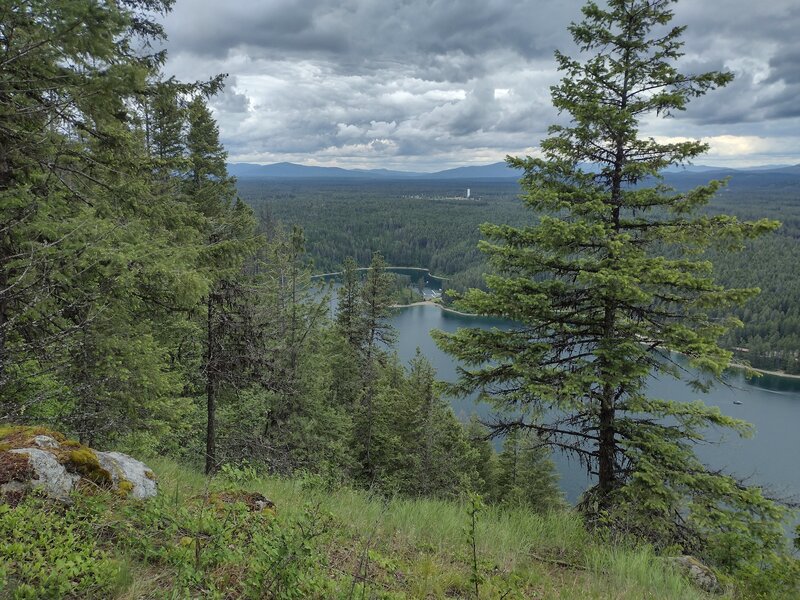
(213, 539)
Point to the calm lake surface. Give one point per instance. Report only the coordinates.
(772, 404)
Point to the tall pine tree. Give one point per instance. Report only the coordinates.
(229, 230)
(607, 281)
(74, 236)
(376, 303)
(348, 310)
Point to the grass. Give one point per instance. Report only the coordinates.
(319, 543)
(417, 548)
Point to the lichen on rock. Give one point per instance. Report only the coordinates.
(46, 441)
(37, 458)
(698, 573)
(128, 473)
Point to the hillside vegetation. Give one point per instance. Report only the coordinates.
(204, 538)
(146, 308)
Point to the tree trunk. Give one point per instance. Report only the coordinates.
(211, 392)
(606, 446)
(3, 320)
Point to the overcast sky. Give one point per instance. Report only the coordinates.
(431, 84)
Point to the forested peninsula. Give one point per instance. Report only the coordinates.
(182, 414)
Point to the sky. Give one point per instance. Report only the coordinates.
(425, 85)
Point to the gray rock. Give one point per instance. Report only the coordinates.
(698, 573)
(51, 476)
(45, 441)
(126, 468)
(264, 504)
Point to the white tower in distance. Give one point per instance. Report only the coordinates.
(468, 192)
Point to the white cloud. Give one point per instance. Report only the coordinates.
(418, 85)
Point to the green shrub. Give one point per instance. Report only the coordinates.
(48, 551)
(214, 546)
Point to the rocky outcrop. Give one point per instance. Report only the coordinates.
(33, 458)
(698, 573)
(47, 475)
(126, 472)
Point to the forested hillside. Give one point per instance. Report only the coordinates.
(142, 307)
(145, 307)
(427, 224)
(770, 337)
(433, 225)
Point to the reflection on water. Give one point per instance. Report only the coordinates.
(770, 403)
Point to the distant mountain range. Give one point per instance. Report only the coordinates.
(286, 170)
(499, 170)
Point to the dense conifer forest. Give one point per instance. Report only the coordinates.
(431, 224)
(151, 306)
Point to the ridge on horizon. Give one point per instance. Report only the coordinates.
(498, 170)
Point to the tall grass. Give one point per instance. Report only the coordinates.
(551, 553)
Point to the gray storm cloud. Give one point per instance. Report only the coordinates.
(429, 84)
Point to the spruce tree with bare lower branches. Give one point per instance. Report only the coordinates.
(607, 281)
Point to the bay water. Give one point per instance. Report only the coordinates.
(771, 457)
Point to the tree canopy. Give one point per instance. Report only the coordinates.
(607, 281)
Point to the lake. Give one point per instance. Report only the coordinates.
(770, 403)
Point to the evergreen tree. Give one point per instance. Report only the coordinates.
(600, 304)
(526, 474)
(74, 240)
(277, 387)
(388, 457)
(422, 379)
(292, 312)
(296, 329)
(417, 446)
(229, 238)
(164, 124)
(348, 311)
(375, 302)
(483, 458)
(436, 438)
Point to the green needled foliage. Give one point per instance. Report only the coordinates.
(348, 313)
(116, 220)
(77, 236)
(606, 283)
(526, 474)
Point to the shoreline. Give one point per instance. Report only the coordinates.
(783, 374)
(437, 305)
(733, 365)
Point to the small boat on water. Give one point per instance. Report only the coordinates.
(737, 401)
